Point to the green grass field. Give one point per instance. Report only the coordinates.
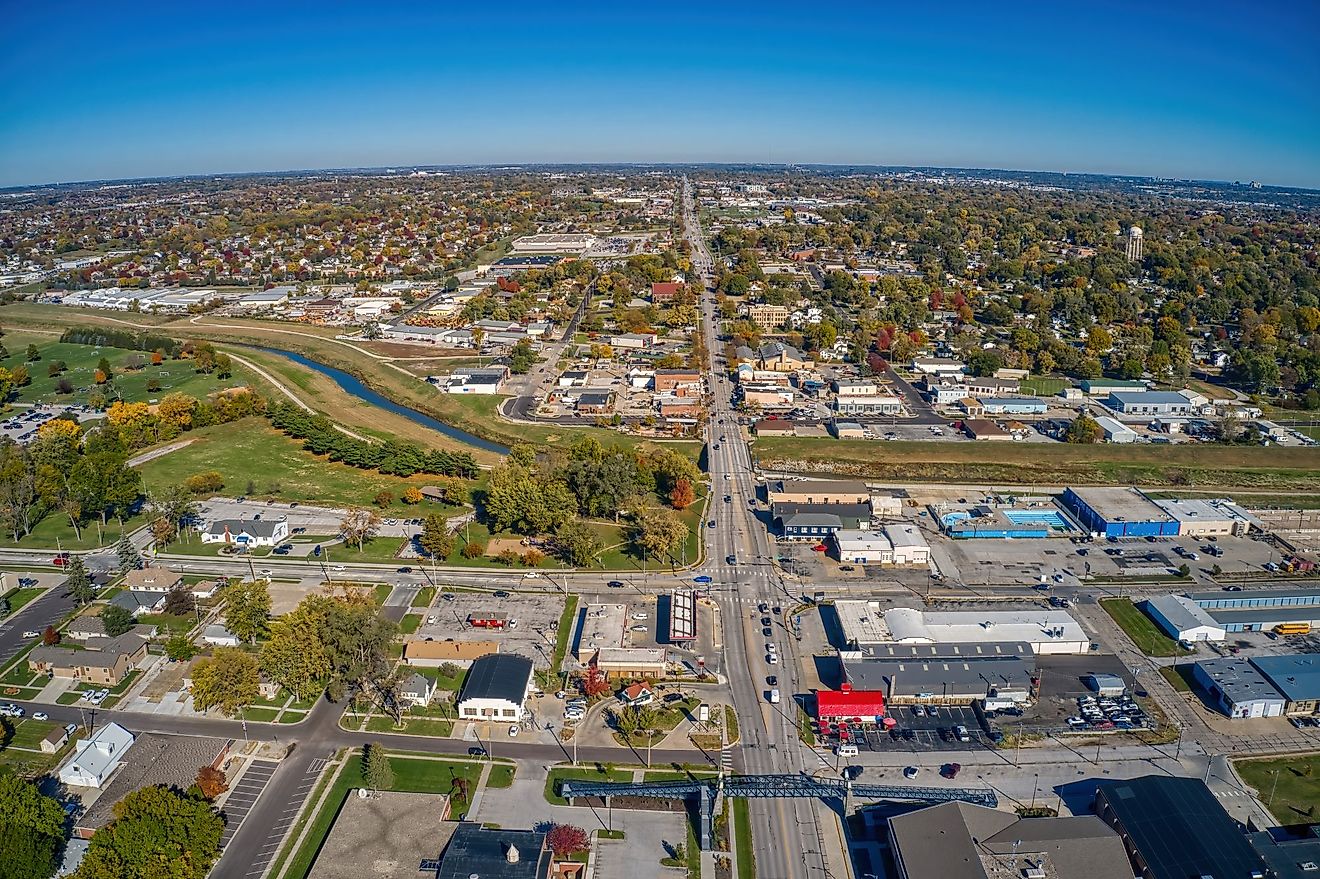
(129, 385)
(1141, 628)
(596, 773)
(251, 450)
(742, 840)
(29, 733)
(1044, 386)
(1289, 786)
(1284, 469)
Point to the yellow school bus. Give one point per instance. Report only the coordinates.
(1293, 629)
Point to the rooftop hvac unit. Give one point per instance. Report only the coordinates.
(1033, 873)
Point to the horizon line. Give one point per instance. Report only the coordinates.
(652, 164)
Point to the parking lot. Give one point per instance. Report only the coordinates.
(316, 521)
(931, 730)
(533, 636)
(243, 796)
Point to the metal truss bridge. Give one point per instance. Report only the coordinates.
(768, 786)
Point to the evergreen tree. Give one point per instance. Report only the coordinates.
(78, 581)
(129, 558)
(376, 769)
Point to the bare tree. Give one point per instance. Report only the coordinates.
(358, 526)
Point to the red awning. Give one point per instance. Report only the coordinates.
(836, 704)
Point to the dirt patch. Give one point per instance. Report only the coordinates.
(498, 545)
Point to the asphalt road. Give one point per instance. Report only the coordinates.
(50, 608)
(788, 834)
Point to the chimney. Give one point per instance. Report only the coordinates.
(511, 854)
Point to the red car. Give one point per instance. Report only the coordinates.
(60, 560)
(950, 770)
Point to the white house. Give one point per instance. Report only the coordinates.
(496, 688)
(417, 689)
(94, 760)
(247, 532)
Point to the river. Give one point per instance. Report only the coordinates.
(352, 385)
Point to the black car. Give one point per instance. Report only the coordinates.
(731, 559)
(710, 524)
(775, 610)
(767, 631)
(765, 621)
(908, 735)
(500, 593)
(772, 680)
(728, 498)
(615, 584)
(405, 570)
(476, 752)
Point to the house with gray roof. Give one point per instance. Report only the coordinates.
(247, 532)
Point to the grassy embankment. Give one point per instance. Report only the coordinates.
(1284, 469)
(1289, 786)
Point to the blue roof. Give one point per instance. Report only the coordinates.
(1296, 676)
(1150, 397)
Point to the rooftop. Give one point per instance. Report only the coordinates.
(498, 676)
(474, 850)
(154, 759)
(384, 836)
(1032, 626)
(1179, 828)
(1238, 679)
(1181, 612)
(1296, 676)
(1121, 505)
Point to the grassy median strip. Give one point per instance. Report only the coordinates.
(742, 840)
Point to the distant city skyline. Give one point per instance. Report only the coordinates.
(1181, 90)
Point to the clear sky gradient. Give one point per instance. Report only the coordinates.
(1213, 90)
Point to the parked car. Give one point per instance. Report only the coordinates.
(477, 752)
(950, 770)
(500, 593)
(40, 715)
(910, 772)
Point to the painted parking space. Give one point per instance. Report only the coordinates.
(243, 796)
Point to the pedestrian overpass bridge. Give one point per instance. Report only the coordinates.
(708, 790)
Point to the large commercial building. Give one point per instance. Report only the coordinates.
(1260, 610)
(1153, 404)
(1183, 619)
(1200, 518)
(1119, 512)
(818, 521)
(1046, 631)
(962, 841)
(1174, 828)
(943, 674)
(1237, 688)
(496, 688)
(889, 545)
(819, 491)
(602, 642)
(1297, 678)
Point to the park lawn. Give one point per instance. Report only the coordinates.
(29, 733)
(424, 597)
(55, 531)
(264, 715)
(1295, 797)
(250, 450)
(379, 550)
(1140, 628)
(1287, 469)
(175, 376)
(596, 773)
(667, 717)
(410, 623)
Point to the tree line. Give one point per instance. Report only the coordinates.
(394, 457)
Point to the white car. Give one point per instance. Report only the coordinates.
(338, 569)
(639, 616)
(772, 658)
(513, 731)
(31, 633)
(265, 572)
(41, 715)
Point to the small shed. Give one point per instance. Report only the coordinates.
(1106, 684)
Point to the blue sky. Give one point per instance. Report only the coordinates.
(1212, 90)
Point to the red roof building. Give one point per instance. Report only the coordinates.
(845, 703)
(665, 291)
